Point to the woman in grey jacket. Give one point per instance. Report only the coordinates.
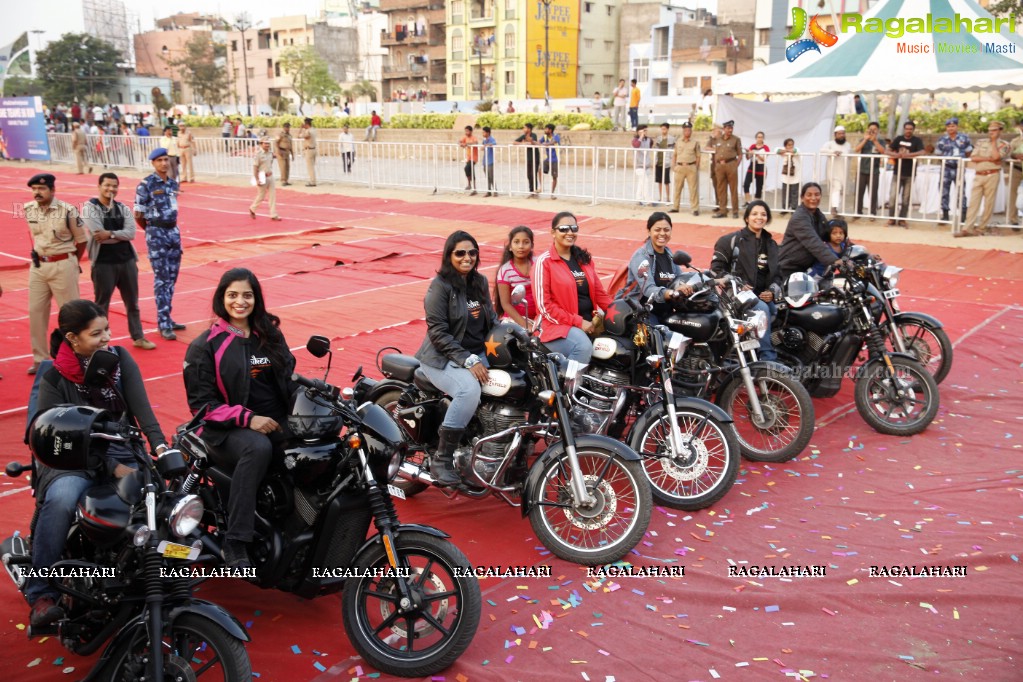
(459, 315)
(652, 270)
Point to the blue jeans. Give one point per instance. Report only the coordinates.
(55, 516)
(575, 346)
(463, 388)
(766, 347)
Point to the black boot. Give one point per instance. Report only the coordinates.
(944, 216)
(236, 554)
(442, 463)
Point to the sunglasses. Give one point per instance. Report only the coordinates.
(565, 229)
(462, 253)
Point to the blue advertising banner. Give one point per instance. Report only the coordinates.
(23, 129)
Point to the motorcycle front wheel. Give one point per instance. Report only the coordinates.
(193, 648)
(428, 635)
(698, 476)
(389, 401)
(902, 403)
(788, 416)
(603, 532)
(929, 345)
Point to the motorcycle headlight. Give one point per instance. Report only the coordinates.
(185, 515)
(746, 300)
(395, 463)
(891, 273)
(758, 323)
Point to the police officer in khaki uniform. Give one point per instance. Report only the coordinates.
(726, 170)
(687, 169)
(285, 153)
(987, 159)
(1015, 172)
(308, 137)
(185, 153)
(58, 242)
(78, 147)
(264, 163)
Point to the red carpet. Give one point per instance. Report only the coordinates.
(356, 269)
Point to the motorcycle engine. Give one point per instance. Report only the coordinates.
(594, 397)
(804, 344)
(493, 419)
(274, 499)
(693, 372)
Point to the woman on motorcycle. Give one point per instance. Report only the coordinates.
(240, 372)
(806, 235)
(652, 270)
(569, 295)
(82, 329)
(459, 315)
(756, 264)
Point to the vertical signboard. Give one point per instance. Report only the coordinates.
(563, 24)
(23, 128)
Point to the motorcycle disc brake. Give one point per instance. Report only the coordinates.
(603, 509)
(423, 628)
(690, 466)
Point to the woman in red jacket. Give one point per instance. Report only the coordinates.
(568, 292)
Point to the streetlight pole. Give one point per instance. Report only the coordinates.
(242, 23)
(547, 54)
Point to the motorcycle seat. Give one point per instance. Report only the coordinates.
(398, 366)
(424, 384)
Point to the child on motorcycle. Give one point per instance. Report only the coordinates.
(516, 270)
(838, 242)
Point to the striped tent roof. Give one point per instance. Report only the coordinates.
(872, 62)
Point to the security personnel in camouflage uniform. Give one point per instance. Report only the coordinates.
(156, 212)
(58, 242)
(955, 145)
(285, 153)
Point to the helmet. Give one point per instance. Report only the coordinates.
(310, 419)
(618, 317)
(60, 436)
(799, 289)
(502, 345)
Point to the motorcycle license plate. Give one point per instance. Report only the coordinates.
(891, 293)
(749, 344)
(173, 550)
(396, 491)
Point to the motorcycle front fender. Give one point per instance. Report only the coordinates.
(403, 527)
(590, 440)
(924, 319)
(380, 388)
(696, 404)
(880, 361)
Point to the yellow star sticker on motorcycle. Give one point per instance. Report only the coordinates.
(492, 346)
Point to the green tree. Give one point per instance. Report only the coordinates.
(22, 87)
(76, 67)
(364, 88)
(201, 68)
(310, 77)
(1006, 8)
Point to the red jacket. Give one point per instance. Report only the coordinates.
(557, 298)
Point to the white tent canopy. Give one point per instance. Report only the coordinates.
(871, 62)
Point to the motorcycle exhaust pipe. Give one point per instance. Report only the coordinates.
(413, 472)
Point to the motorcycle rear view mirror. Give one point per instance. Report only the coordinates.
(101, 369)
(682, 258)
(318, 346)
(518, 294)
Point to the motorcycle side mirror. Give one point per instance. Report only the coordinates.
(318, 346)
(682, 258)
(518, 294)
(644, 270)
(101, 369)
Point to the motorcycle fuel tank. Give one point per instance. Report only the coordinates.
(308, 463)
(614, 350)
(699, 327)
(103, 515)
(504, 384)
(819, 317)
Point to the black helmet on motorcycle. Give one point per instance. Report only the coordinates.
(618, 316)
(60, 436)
(799, 289)
(310, 419)
(502, 345)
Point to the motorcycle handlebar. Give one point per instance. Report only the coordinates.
(317, 385)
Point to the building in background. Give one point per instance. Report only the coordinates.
(415, 67)
(110, 20)
(599, 67)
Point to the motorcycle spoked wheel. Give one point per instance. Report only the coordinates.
(441, 622)
(788, 413)
(698, 476)
(194, 648)
(879, 403)
(389, 401)
(929, 345)
(605, 532)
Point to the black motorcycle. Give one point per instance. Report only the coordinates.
(125, 576)
(773, 413)
(917, 334)
(688, 445)
(411, 604)
(586, 496)
(820, 337)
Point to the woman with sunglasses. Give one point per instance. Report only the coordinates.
(652, 270)
(568, 292)
(459, 315)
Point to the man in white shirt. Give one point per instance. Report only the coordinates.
(836, 156)
(620, 101)
(347, 148)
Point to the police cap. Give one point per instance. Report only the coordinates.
(42, 179)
